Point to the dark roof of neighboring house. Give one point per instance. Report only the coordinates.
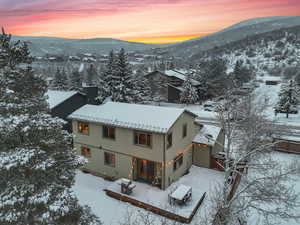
(57, 97)
(176, 74)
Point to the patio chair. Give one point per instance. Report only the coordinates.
(126, 188)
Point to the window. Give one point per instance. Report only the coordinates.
(184, 130)
(142, 139)
(86, 152)
(178, 161)
(109, 159)
(169, 140)
(109, 132)
(83, 128)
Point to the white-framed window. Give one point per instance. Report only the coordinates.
(144, 139)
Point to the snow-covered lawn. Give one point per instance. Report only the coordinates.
(90, 191)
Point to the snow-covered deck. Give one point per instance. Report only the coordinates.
(90, 191)
(201, 180)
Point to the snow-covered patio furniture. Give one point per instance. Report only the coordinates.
(126, 186)
(180, 195)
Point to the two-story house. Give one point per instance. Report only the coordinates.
(146, 143)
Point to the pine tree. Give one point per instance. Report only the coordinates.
(141, 89)
(12, 54)
(241, 73)
(106, 83)
(189, 94)
(122, 80)
(75, 83)
(37, 164)
(60, 81)
(91, 74)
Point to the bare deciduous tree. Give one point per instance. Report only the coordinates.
(264, 189)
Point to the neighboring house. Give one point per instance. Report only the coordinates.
(168, 84)
(63, 103)
(145, 143)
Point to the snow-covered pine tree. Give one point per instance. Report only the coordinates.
(60, 81)
(106, 84)
(75, 83)
(241, 73)
(91, 74)
(37, 163)
(122, 79)
(189, 94)
(141, 89)
(12, 54)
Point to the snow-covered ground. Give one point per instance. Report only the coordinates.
(90, 191)
(271, 92)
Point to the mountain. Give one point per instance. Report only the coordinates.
(233, 33)
(40, 46)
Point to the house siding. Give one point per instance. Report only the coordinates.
(125, 150)
(202, 154)
(180, 145)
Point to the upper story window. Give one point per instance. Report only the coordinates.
(184, 130)
(109, 132)
(178, 161)
(109, 159)
(83, 128)
(169, 140)
(86, 152)
(144, 139)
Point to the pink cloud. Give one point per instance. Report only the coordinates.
(133, 18)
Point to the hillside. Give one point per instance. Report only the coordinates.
(40, 46)
(231, 34)
(276, 52)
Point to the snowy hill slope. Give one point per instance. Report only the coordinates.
(276, 52)
(40, 46)
(233, 33)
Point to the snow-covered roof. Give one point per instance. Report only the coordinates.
(57, 97)
(207, 135)
(132, 116)
(179, 75)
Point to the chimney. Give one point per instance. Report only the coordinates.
(91, 95)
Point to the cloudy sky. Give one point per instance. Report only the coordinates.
(137, 20)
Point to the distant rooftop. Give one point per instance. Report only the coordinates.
(180, 75)
(133, 116)
(57, 97)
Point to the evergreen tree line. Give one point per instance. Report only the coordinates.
(116, 81)
(215, 80)
(37, 162)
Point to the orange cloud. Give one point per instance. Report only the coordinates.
(165, 40)
(150, 21)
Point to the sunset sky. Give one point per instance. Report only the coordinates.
(151, 21)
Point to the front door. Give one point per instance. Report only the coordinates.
(146, 170)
